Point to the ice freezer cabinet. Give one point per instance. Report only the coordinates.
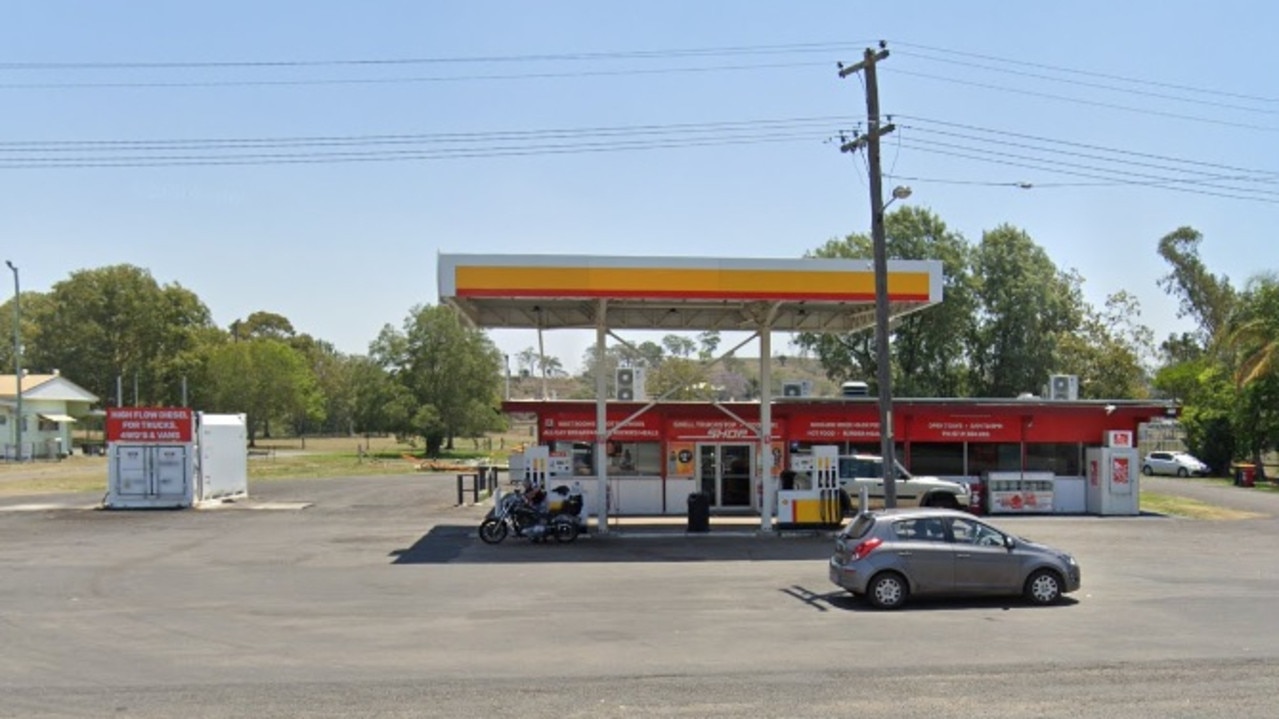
(1018, 492)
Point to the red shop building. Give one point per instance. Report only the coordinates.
(659, 455)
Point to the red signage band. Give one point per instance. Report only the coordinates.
(150, 425)
(834, 428)
(719, 429)
(943, 428)
(581, 428)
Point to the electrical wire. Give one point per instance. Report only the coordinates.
(724, 51)
(1100, 86)
(1088, 73)
(1090, 103)
(1090, 172)
(1206, 180)
(816, 122)
(1117, 151)
(280, 158)
(1004, 142)
(172, 84)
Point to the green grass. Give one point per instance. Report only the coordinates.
(1189, 508)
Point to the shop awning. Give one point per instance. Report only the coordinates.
(58, 417)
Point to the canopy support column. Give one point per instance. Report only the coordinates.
(765, 463)
(601, 419)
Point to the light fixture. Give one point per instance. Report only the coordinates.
(900, 192)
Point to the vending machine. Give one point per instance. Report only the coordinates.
(1113, 476)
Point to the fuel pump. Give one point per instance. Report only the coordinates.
(816, 500)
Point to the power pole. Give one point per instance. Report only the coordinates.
(875, 130)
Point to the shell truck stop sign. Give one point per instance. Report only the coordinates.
(149, 425)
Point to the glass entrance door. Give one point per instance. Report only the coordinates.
(725, 473)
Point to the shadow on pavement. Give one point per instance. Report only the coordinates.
(459, 544)
(844, 601)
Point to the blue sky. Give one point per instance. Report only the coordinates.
(342, 248)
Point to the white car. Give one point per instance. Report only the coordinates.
(1174, 463)
(864, 470)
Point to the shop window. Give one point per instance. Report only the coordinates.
(993, 457)
(1060, 459)
(937, 459)
(634, 459)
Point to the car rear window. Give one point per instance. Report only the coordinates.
(859, 527)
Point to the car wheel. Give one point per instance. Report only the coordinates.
(1181, 472)
(888, 591)
(1043, 587)
(1147, 470)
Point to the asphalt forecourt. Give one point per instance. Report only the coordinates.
(373, 596)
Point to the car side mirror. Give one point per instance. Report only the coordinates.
(1009, 542)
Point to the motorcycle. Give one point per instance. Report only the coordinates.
(515, 514)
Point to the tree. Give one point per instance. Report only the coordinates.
(1202, 296)
(103, 323)
(32, 306)
(1250, 342)
(928, 347)
(1026, 306)
(647, 354)
(380, 404)
(708, 342)
(680, 378)
(333, 373)
(679, 345)
(452, 372)
(264, 325)
(265, 379)
(1109, 350)
(527, 360)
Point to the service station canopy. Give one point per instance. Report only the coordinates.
(680, 293)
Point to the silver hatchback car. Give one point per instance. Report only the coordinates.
(891, 555)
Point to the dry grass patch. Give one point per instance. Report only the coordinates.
(1191, 508)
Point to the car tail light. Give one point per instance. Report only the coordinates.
(866, 547)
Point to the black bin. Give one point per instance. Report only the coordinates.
(699, 512)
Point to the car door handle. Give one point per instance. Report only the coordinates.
(904, 554)
(963, 555)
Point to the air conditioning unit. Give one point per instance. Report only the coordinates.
(1063, 387)
(854, 389)
(798, 388)
(630, 384)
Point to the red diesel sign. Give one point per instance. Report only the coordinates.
(149, 424)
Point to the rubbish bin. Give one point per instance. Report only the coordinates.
(1245, 475)
(699, 512)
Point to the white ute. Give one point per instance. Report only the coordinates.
(867, 470)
